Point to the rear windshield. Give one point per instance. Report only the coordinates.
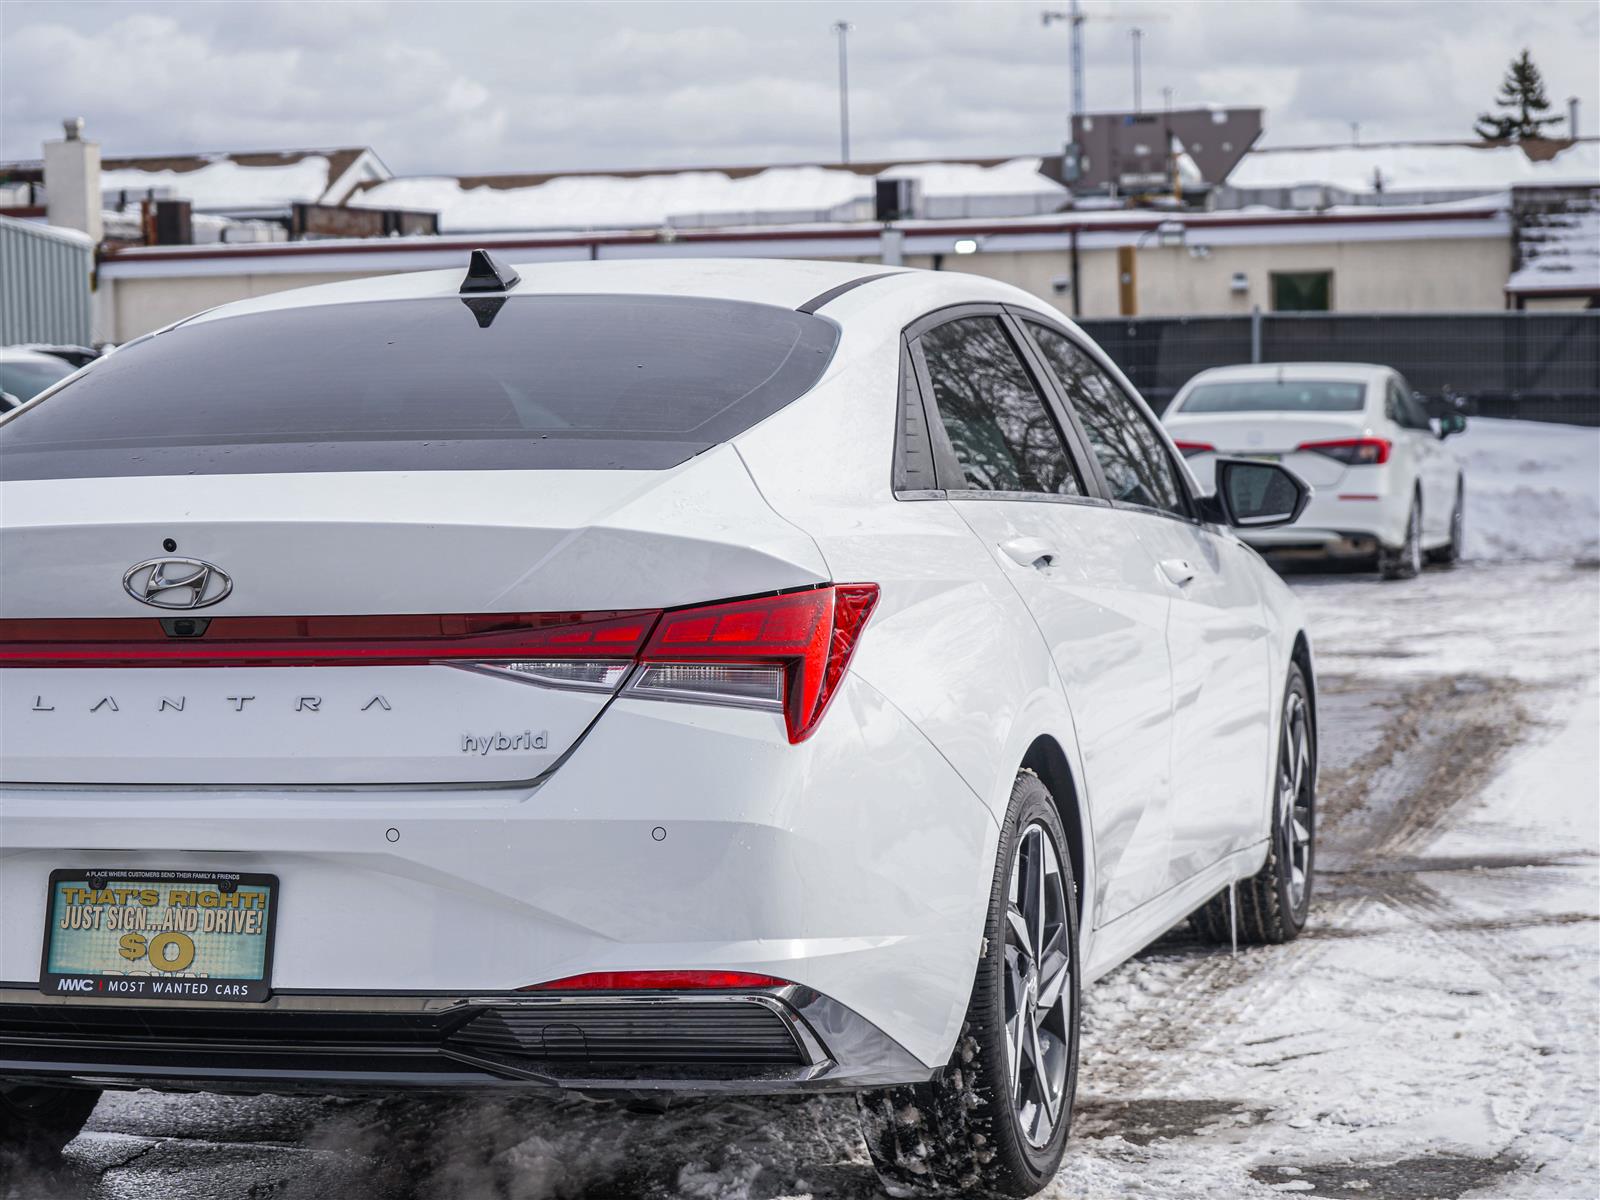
(576, 382)
(1277, 395)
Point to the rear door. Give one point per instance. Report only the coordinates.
(1016, 473)
(1217, 634)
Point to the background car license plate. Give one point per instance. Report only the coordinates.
(159, 935)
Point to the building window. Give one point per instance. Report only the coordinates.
(1302, 291)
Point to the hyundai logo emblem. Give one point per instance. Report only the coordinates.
(177, 583)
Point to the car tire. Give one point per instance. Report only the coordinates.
(36, 1122)
(1405, 562)
(985, 1126)
(1449, 554)
(1274, 904)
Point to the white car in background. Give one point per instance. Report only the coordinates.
(1384, 483)
(666, 676)
(25, 372)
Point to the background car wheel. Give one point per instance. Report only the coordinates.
(995, 1123)
(1275, 902)
(37, 1122)
(1450, 553)
(1406, 562)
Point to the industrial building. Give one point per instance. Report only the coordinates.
(1179, 216)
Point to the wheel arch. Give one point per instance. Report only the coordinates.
(1300, 655)
(1046, 759)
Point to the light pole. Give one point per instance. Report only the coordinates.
(1074, 19)
(843, 28)
(1138, 104)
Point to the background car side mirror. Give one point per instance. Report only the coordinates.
(1252, 494)
(1451, 423)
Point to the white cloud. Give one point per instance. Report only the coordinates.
(481, 87)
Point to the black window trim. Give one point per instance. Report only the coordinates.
(946, 467)
(1023, 316)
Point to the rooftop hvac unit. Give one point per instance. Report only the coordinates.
(897, 199)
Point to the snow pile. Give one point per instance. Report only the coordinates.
(691, 198)
(223, 183)
(1413, 167)
(1533, 490)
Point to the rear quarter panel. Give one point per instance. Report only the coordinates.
(951, 645)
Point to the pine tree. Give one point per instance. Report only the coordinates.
(1522, 92)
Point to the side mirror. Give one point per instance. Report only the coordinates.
(1451, 423)
(1252, 494)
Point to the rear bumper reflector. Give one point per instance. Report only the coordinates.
(657, 981)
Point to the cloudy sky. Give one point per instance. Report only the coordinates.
(461, 86)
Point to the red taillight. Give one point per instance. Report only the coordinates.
(658, 981)
(785, 653)
(1354, 452)
(322, 641)
(1190, 449)
(802, 641)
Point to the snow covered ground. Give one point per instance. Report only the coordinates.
(1436, 1033)
(1533, 490)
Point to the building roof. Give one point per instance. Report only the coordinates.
(699, 198)
(1417, 166)
(232, 180)
(838, 240)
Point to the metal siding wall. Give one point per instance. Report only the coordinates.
(44, 286)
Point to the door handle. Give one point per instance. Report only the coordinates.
(1177, 570)
(1030, 552)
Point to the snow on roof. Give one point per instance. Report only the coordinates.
(1560, 251)
(224, 183)
(687, 198)
(1414, 166)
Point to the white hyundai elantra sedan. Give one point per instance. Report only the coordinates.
(679, 676)
(1386, 488)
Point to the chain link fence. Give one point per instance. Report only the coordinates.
(1539, 366)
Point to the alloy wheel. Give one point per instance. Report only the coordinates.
(1295, 798)
(1038, 995)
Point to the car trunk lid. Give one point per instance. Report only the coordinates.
(369, 620)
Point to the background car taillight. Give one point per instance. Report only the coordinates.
(786, 653)
(1190, 449)
(1354, 452)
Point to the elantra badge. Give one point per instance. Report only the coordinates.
(177, 583)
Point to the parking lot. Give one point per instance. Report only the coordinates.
(1432, 1035)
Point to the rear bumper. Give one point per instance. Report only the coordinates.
(1364, 509)
(675, 837)
(784, 1040)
